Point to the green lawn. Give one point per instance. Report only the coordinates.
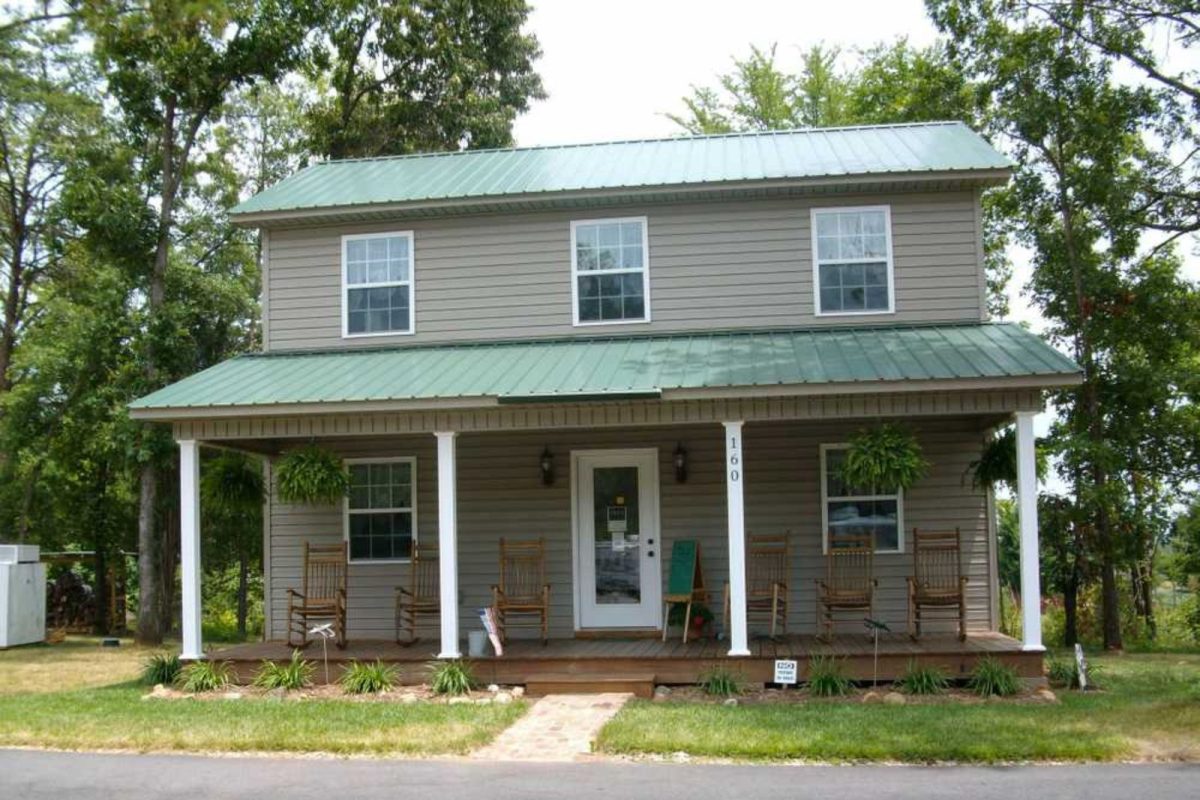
(51, 697)
(1150, 709)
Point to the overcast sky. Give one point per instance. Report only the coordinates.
(613, 68)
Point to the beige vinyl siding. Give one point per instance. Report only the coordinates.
(500, 493)
(733, 264)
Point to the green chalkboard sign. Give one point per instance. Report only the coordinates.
(685, 568)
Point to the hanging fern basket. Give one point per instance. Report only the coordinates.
(884, 458)
(311, 475)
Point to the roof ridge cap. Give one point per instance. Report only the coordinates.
(642, 140)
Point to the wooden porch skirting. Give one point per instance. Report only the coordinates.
(670, 662)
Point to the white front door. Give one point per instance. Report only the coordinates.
(617, 541)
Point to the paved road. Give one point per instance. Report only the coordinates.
(31, 775)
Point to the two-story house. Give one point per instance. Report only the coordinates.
(613, 348)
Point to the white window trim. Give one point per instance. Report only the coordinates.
(826, 500)
(411, 283)
(412, 462)
(816, 263)
(645, 270)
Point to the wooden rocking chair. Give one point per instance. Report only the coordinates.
(322, 594)
(849, 584)
(767, 563)
(937, 581)
(522, 588)
(420, 597)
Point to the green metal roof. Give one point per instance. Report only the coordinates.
(934, 147)
(619, 367)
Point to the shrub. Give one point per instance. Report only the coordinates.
(295, 674)
(1061, 672)
(720, 682)
(368, 678)
(991, 678)
(205, 676)
(827, 677)
(161, 668)
(451, 677)
(923, 680)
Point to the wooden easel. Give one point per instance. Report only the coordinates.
(685, 582)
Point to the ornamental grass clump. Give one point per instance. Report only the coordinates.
(922, 680)
(990, 678)
(291, 675)
(205, 676)
(451, 678)
(720, 682)
(827, 677)
(885, 457)
(161, 668)
(368, 678)
(312, 475)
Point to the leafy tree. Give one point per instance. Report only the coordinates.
(42, 113)
(1078, 204)
(171, 67)
(759, 96)
(1157, 39)
(421, 75)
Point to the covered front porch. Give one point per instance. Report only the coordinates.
(472, 489)
(478, 445)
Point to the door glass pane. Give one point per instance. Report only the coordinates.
(618, 539)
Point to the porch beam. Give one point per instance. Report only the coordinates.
(1031, 588)
(189, 546)
(448, 541)
(734, 478)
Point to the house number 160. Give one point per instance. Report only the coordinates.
(735, 460)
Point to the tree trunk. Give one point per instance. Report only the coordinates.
(1146, 586)
(1071, 612)
(149, 624)
(101, 591)
(1110, 603)
(169, 560)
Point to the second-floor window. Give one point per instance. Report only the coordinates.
(610, 268)
(852, 260)
(377, 284)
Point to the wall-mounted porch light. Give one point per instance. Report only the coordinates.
(547, 464)
(680, 461)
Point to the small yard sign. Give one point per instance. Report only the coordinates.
(785, 671)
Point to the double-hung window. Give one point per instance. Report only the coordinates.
(377, 284)
(381, 509)
(858, 512)
(611, 272)
(852, 260)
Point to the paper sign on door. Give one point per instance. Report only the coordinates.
(617, 525)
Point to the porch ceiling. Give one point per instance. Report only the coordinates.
(806, 361)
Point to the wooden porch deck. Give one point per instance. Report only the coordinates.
(670, 662)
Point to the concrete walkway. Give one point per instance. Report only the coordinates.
(559, 727)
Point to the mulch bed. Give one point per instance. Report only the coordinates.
(401, 694)
(768, 696)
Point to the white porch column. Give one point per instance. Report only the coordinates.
(448, 541)
(189, 546)
(1031, 587)
(734, 475)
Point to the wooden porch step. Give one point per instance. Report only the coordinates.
(640, 684)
